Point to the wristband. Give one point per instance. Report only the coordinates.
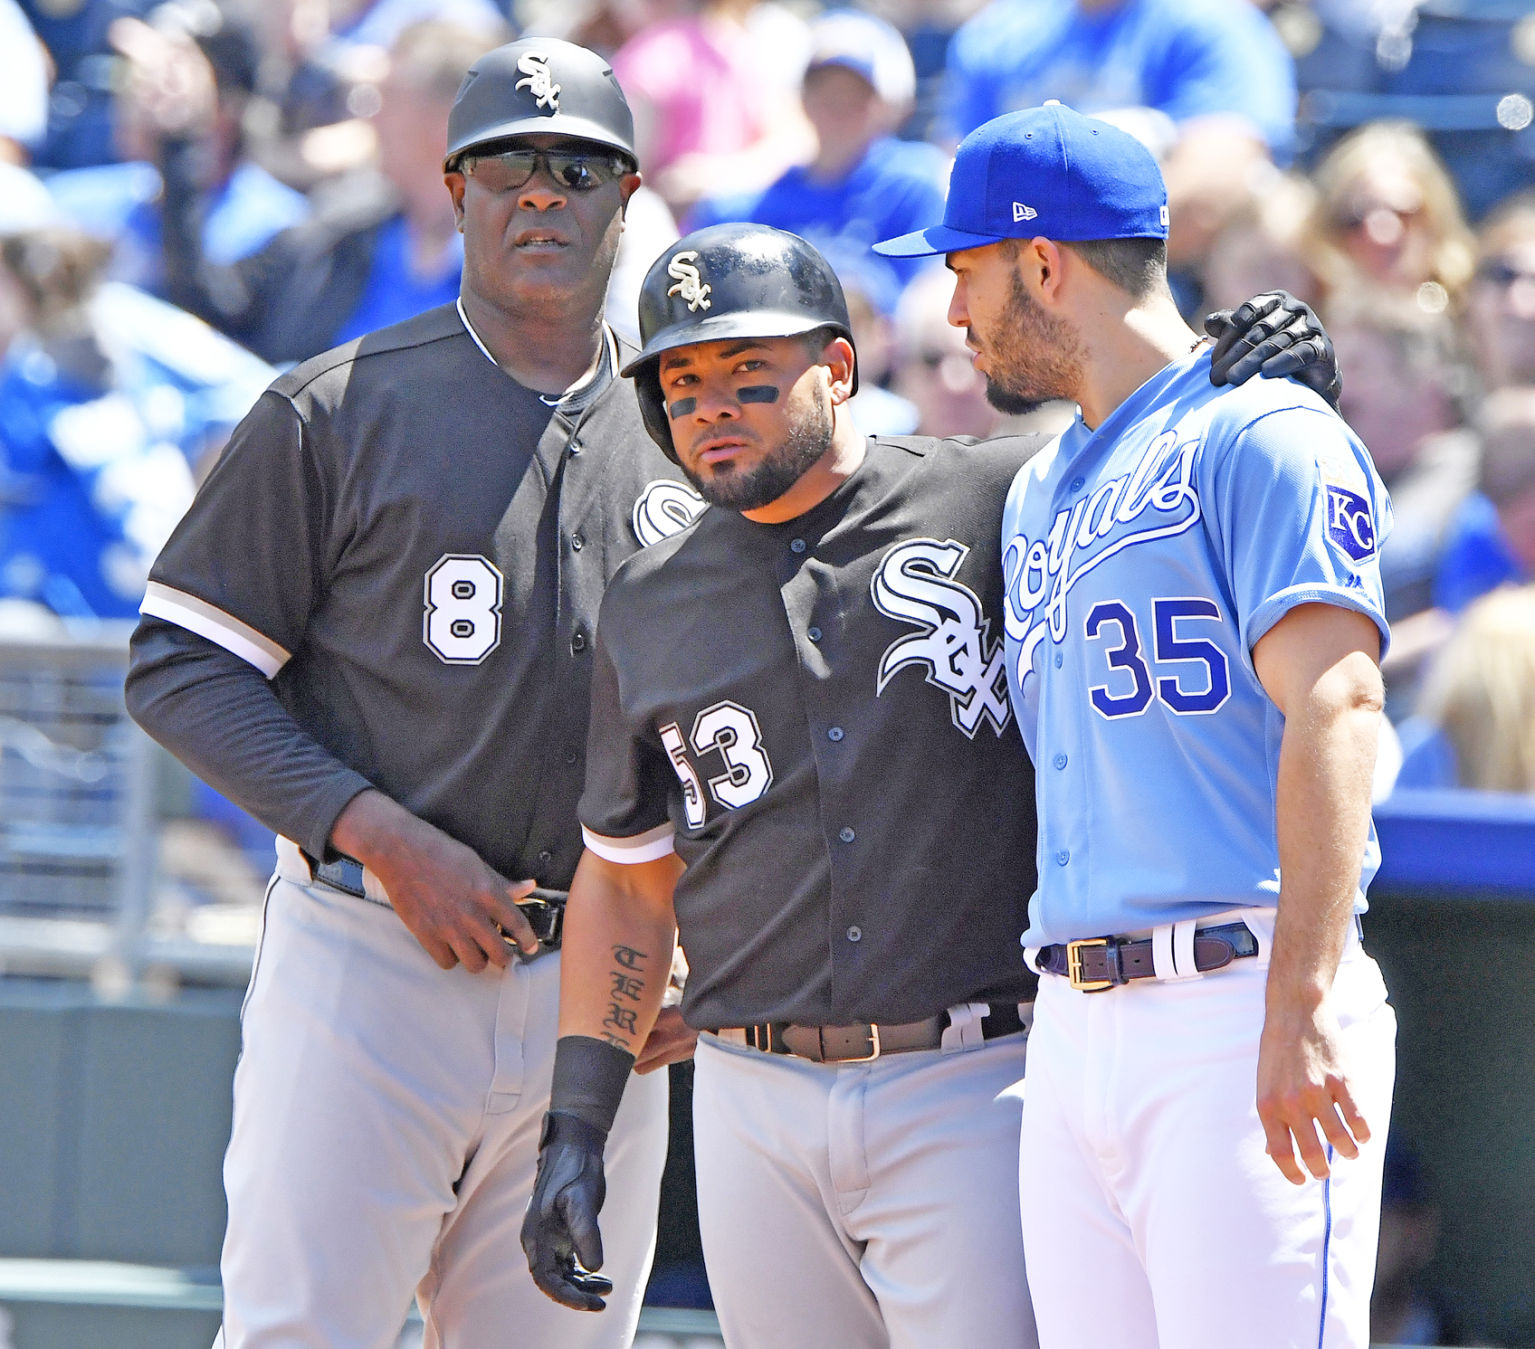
(589, 1079)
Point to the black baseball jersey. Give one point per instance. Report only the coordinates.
(411, 547)
(814, 716)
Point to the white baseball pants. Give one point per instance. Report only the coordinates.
(386, 1124)
(862, 1205)
(1155, 1219)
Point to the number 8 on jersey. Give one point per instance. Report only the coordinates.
(463, 609)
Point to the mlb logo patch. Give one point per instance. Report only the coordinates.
(1349, 523)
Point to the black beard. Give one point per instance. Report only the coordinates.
(1012, 404)
(1034, 356)
(777, 472)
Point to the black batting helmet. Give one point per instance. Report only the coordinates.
(539, 85)
(730, 281)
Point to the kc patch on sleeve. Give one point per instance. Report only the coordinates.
(1350, 519)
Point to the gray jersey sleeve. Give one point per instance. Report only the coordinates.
(227, 603)
(623, 809)
(220, 717)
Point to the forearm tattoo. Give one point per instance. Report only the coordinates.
(626, 986)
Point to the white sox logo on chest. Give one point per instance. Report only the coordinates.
(1159, 490)
(915, 583)
(664, 508)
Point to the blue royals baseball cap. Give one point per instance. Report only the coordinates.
(1044, 171)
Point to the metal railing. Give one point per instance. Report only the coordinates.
(79, 824)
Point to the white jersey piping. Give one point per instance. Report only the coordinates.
(207, 620)
(608, 338)
(650, 846)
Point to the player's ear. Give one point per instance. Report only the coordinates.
(838, 358)
(627, 186)
(455, 185)
(1040, 265)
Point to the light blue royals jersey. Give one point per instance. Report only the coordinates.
(1142, 562)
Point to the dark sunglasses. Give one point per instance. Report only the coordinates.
(1353, 217)
(573, 170)
(1502, 274)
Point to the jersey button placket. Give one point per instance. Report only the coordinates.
(846, 833)
(797, 545)
(855, 933)
(834, 734)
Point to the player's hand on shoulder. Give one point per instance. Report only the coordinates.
(454, 904)
(1303, 1085)
(1273, 334)
(671, 1040)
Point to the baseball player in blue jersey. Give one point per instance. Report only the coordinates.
(1194, 620)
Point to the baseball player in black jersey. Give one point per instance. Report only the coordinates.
(802, 757)
(374, 630)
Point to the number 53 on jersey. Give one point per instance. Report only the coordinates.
(732, 732)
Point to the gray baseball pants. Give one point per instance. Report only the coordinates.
(863, 1205)
(386, 1126)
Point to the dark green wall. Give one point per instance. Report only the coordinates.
(45, 1326)
(114, 1124)
(1461, 974)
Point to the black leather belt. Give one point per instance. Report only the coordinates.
(344, 875)
(1095, 964)
(544, 909)
(863, 1040)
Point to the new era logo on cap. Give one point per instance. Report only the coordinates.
(1084, 179)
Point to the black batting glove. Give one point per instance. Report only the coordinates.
(1273, 334)
(559, 1232)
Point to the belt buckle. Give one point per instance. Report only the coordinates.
(873, 1053)
(547, 920)
(1074, 951)
(545, 914)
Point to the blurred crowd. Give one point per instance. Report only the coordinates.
(194, 193)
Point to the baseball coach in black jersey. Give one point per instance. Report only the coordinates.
(802, 756)
(374, 630)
